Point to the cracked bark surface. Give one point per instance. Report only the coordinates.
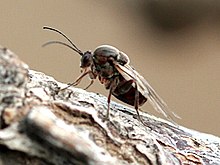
(41, 125)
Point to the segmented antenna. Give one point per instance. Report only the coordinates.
(72, 46)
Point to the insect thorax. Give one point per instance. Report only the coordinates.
(103, 58)
(105, 51)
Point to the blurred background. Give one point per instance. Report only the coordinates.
(175, 45)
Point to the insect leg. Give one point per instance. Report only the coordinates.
(92, 77)
(91, 82)
(136, 102)
(113, 86)
(77, 80)
(109, 100)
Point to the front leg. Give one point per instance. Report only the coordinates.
(77, 80)
(92, 77)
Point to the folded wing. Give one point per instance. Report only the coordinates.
(145, 89)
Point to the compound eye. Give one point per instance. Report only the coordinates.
(86, 59)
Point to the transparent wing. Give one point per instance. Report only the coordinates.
(145, 89)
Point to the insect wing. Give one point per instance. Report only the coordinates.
(145, 89)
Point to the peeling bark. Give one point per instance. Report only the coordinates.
(41, 125)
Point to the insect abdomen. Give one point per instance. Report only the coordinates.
(129, 97)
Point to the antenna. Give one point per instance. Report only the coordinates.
(73, 47)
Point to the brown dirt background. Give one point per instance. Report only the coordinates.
(175, 46)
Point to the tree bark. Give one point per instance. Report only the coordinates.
(39, 124)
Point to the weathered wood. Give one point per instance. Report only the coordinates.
(41, 125)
